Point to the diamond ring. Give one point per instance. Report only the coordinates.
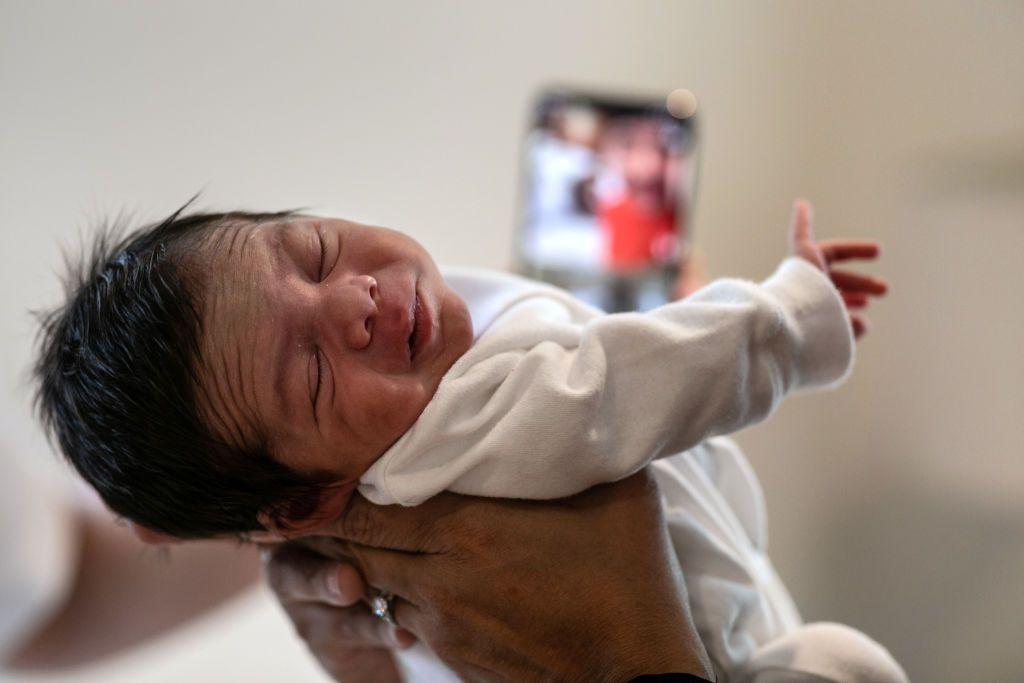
(381, 605)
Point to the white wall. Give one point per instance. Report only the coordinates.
(895, 503)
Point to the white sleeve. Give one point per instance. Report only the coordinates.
(598, 402)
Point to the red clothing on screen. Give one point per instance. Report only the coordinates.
(631, 233)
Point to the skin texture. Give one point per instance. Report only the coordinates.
(495, 586)
(306, 339)
(510, 568)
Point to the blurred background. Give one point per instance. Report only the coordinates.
(896, 503)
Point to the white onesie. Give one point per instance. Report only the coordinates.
(555, 396)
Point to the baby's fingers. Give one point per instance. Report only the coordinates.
(860, 325)
(855, 299)
(800, 223)
(845, 250)
(846, 281)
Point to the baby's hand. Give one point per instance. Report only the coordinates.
(855, 288)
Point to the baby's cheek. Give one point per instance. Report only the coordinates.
(305, 450)
(408, 398)
(392, 406)
(380, 412)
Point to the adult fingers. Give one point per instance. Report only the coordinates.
(398, 573)
(325, 627)
(411, 623)
(359, 665)
(844, 250)
(350, 643)
(412, 530)
(395, 571)
(855, 282)
(296, 574)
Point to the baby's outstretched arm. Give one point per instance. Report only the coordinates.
(549, 403)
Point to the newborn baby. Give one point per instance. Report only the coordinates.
(243, 373)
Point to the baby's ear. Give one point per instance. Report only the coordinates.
(330, 503)
(151, 537)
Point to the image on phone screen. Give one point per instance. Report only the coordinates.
(607, 197)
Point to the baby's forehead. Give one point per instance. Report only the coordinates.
(240, 247)
(233, 267)
(233, 245)
(234, 234)
(233, 260)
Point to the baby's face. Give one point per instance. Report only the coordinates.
(324, 338)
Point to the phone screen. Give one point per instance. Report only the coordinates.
(607, 199)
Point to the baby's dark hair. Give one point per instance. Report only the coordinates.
(117, 388)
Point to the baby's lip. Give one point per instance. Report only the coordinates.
(423, 325)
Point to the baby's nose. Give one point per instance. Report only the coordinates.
(360, 312)
(368, 284)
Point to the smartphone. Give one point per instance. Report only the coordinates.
(606, 203)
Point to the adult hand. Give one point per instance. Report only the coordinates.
(585, 588)
(323, 600)
(855, 288)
